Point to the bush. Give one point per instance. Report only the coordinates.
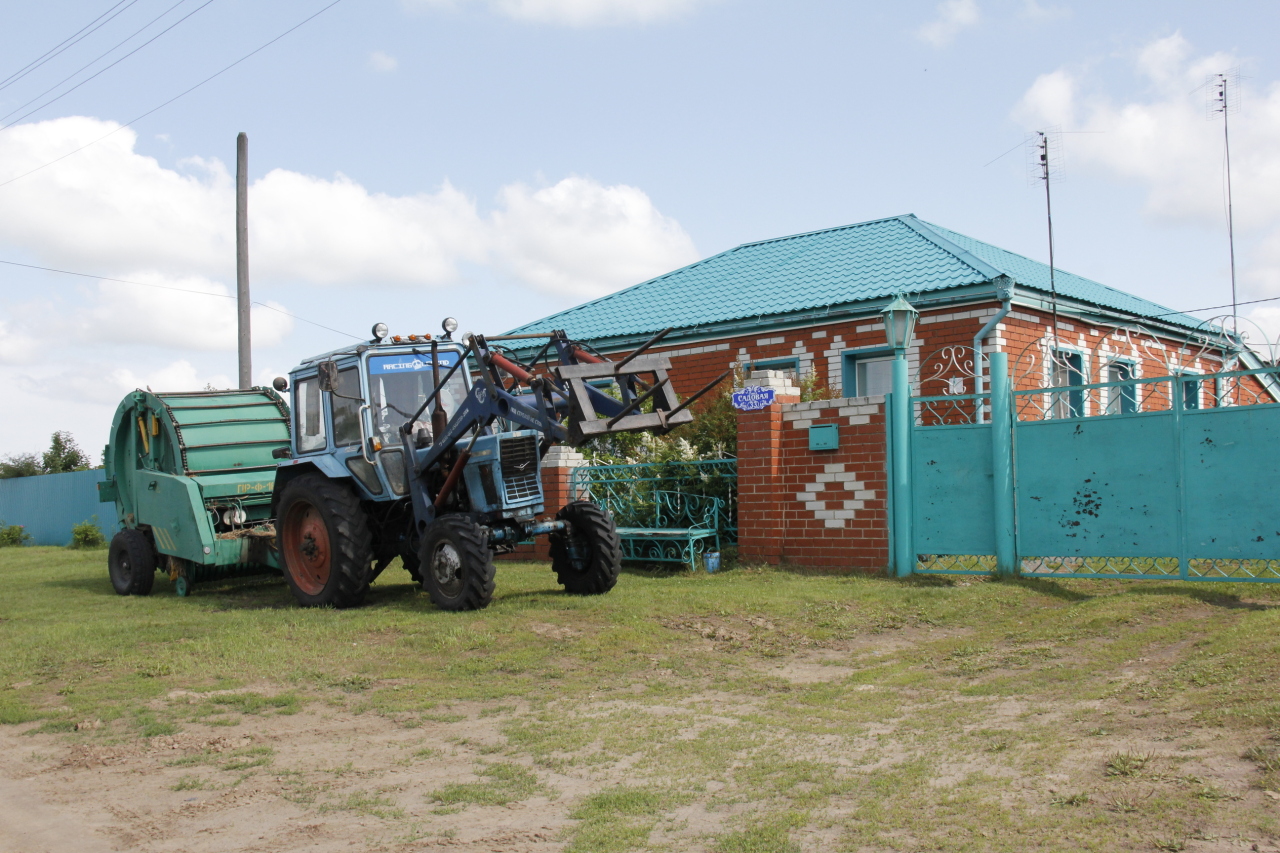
(87, 534)
(13, 535)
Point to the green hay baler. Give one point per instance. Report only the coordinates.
(191, 476)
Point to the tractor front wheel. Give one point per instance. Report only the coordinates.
(588, 555)
(131, 562)
(456, 565)
(325, 543)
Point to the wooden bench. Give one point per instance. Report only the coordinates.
(668, 527)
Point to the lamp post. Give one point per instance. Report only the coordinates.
(899, 325)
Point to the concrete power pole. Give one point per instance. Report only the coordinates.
(242, 261)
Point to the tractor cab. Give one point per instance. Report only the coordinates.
(349, 406)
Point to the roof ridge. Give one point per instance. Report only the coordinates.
(819, 231)
(926, 230)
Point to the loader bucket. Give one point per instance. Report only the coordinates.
(593, 413)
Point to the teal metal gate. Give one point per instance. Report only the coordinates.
(1173, 476)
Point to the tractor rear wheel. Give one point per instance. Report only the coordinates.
(588, 555)
(325, 543)
(131, 562)
(456, 564)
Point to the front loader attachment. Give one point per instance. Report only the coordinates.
(591, 416)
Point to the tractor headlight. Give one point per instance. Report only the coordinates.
(450, 326)
(380, 331)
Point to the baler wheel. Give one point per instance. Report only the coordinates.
(131, 562)
(325, 543)
(587, 557)
(456, 565)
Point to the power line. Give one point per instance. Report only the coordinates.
(179, 290)
(1216, 307)
(175, 97)
(102, 70)
(67, 43)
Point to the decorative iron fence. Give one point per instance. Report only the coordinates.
(634, 493)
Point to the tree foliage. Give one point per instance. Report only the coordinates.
(62, 456)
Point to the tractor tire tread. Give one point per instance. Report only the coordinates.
(351, 540)
(596, 526)
(473, 550)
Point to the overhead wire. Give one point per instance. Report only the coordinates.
(180, 290)
(101, 70)
(358, 337)
(183, 94)
(67, 43)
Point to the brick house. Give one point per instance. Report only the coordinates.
(805, 310)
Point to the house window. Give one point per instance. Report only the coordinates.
(867, 374)
(1190, 393)
(789, 365)
(1122, 400)
(1068, 370)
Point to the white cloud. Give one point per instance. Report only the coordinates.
(106, 384)
(1162, 142)
(584, 239)
(579, 13)
(108, 208)
(953, 16)
(131, 313)
(384, 62)
(332, 232)
(112, 211)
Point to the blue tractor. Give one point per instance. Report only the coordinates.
(429, 449)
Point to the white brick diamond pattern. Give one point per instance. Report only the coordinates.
(838, 488)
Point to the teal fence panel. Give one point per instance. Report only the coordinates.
(1098, 487)
(50, 505)
(1231, 488)
(952, 506)
(1161, 477)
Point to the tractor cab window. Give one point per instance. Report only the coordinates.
(398, 384)
(345, 405)
(306, 402)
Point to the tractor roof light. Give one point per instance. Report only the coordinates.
(380, 332)
(450, 326)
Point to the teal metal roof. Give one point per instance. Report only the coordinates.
(854, 263)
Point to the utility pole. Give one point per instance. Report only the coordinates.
(243, 340)
(1048, 208)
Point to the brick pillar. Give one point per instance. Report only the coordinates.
(557, 467)
(760, 528)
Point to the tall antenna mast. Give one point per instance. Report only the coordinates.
(1223, 102)
(1042, 150)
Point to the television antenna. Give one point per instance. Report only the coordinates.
(1224, 99)
(1044, 161)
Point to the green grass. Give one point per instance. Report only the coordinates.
(499, 784)
(753, 709)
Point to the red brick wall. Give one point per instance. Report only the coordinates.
(821, 509)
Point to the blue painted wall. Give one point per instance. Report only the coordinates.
(48, 506)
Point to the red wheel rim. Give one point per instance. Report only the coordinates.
(307, 554)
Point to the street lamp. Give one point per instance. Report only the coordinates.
(899, 323)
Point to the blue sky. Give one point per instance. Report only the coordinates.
(499, 160)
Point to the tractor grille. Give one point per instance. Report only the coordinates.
(520, 468)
